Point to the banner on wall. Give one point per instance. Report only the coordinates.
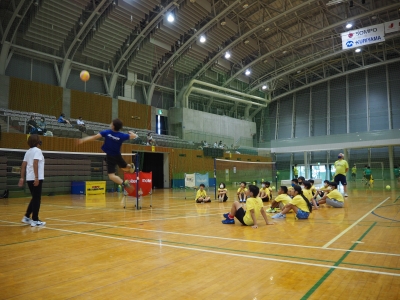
(189, 180)
(145, 182)
(201, 179)
(392, 26)
(363, 36)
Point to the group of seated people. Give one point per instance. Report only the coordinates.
(301, 198)
(39, 127)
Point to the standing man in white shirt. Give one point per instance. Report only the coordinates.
(33, 167)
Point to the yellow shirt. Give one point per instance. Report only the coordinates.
(284, 198)
(335, 194)
(354, 170)
(325, 188)
(242, 190)
(201, 194)
(313, 190)
(341, 166)
(308, 194)
(223, 190)
(295, 171)
(300, 203)
(252, 203)
(267, 191)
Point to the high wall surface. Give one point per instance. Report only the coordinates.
(197, 125)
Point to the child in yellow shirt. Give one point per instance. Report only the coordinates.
(280, 201)
(241, 192)
(265, 192)
(299, 204)
(201, 195)
(333, 198)
(247, 217)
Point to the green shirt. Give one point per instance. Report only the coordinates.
(397, 172)
(368, 171)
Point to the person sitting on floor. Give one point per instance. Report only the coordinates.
(222, 192)
(333, 198)
(265, 192)
(247, 217)
(201, 195)
(299, 204)
(280, 201)
(241, 192)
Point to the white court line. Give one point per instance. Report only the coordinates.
(227, 253)
(354, 224)
(138, 221)
(225, 238)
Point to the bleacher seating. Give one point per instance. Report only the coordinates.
(18, 120)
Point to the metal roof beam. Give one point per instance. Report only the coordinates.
(288, 45)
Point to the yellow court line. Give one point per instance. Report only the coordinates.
(229, 254)
(225, 238)
(352, 225)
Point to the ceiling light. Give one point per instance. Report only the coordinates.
(227, 55)
(81, 22)
(266, 29)
(246, 42)
(248, 72)
(280, 79)
(94, 27)
(202, 39)
(358, 50)
(373, 17)
(170, 18)
(298, 71)
(36, 3)
(284, 52)
(264, 87)
(114, 3)
(246, 5)
(223, 23)
(265, 61)
(349, 25)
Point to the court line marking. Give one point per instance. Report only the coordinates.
(223, 238)
(352, 225)
(330, 271)
(227, 253)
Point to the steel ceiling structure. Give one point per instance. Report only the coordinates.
(287, 45)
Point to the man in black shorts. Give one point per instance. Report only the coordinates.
(113, 140)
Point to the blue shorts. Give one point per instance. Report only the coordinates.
(302, 214)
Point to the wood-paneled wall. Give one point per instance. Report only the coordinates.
(180, 160)
(91, 107)
(140, 112)
(30, 96)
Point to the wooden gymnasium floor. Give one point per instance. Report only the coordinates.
(94, 249)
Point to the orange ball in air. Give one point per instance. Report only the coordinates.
(85, 76)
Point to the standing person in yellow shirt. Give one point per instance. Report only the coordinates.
(201, 195)
(241, 192)
(354, 172)
(295, 171)
(342, 167)
(299, 204)
(333, 198)
(254, 208)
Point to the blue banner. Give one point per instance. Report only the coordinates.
(201, 178)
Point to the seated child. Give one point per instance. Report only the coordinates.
(254, 209)
(333, 198)
(307, 191)
(222, 192)
(301, 180)
(265, 192)
(201, 195)
(313, 189)
(281, 200)
(321, 191)
(241, 192)
(299, 204)
(291, 188)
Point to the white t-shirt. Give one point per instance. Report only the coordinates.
(79, 122)
(30, 156)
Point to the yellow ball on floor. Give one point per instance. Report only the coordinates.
(388, 187)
